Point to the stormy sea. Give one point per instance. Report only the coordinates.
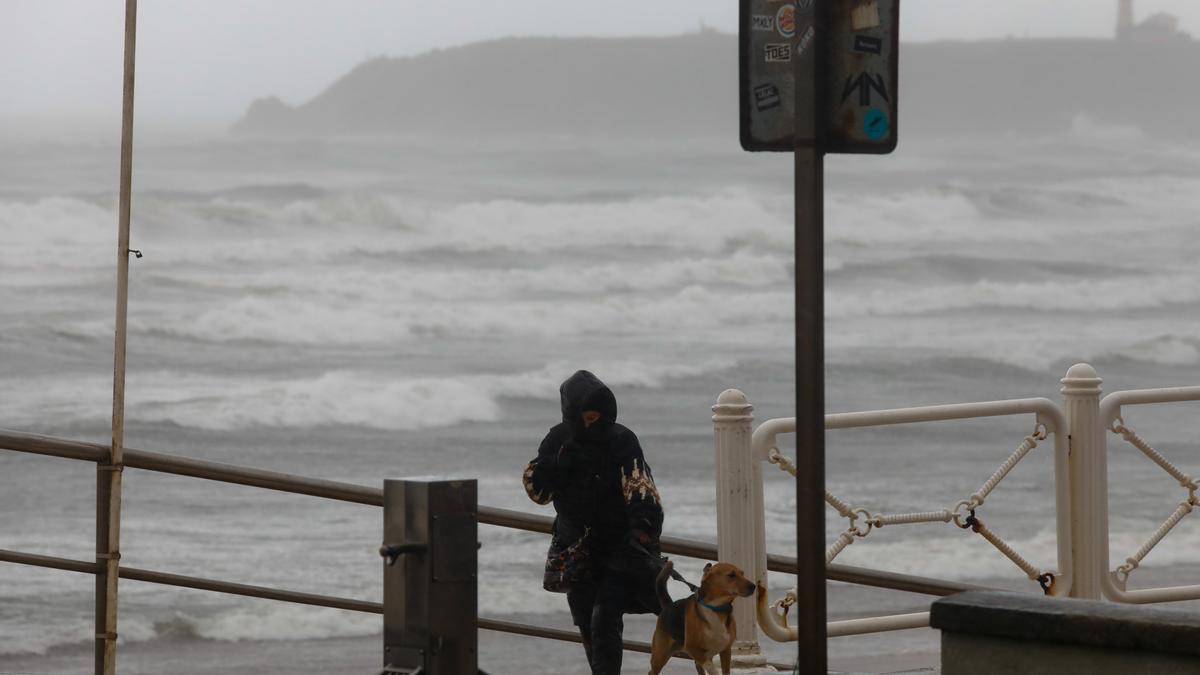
(359, 310)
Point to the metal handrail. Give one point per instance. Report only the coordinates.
(359, 494)
(311, 599)
(164, 578)
(488, 515)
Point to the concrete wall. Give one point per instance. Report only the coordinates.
(994, 633)
(980, 655)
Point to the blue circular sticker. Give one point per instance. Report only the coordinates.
(876, 125)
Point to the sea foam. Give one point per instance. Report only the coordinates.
(360, 398)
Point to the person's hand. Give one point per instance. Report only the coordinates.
(640, 536)
(565, 457)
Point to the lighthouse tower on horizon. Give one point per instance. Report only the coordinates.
(1161, 27)
(1124, 19)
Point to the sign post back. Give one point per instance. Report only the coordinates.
(859, 69)
(817, 76)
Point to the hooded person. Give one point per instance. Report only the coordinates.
(605, 545)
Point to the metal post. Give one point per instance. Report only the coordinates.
(810, 411)
(430, 604)
(739, 511)
(108, 475)
(1089, 481)
(810, 349)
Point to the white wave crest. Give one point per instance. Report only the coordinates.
(1087, 129)
(280, 621)
(237, 231)
(1084, 295)
(704, 224)
(37, 639)
(55, 234)
(406, 282)
(915, 220)
(367, 399)
(1171, 350)
(329, 320)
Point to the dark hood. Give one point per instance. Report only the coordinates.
(584, 391)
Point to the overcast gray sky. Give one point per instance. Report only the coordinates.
(207, 59)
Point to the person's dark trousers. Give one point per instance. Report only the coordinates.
(597, 610)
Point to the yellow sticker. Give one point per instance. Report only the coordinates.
(865, 15)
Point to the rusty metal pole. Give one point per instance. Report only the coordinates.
(108, 475)
(810, 349)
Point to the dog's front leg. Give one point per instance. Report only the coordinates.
(726, 657)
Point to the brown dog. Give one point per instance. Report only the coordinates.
(702, 624)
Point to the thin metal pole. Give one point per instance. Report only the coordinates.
(810, 410)
(108, 475)
(810, 351)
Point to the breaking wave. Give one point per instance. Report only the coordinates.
(1169, 350)
(1060, 295)
(336, 398)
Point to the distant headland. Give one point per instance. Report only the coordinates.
(686, 87)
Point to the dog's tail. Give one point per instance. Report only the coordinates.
(660, 585)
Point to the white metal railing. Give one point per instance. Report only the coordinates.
(1109, 416)
(1080, 475)
(1049, 420)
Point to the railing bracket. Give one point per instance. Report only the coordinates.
(392, 552)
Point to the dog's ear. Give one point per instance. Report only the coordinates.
(707, 566)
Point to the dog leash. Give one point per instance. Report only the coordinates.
(659, 562)
(679, 577)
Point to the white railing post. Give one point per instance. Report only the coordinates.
(1089, 481)
(739, 510)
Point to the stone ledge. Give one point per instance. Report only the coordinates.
(1090, 623)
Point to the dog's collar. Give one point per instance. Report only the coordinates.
(723, 609)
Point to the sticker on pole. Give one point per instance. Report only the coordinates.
(855, 45)
(875, 124)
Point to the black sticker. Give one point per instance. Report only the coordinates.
(766, 96)
(870, 45)
(778, 52)
(863, 84)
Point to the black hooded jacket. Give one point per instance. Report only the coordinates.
(596, 477)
